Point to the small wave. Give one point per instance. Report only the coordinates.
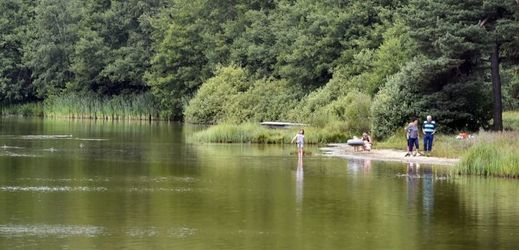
(90, 139)
(11, 154)
(47, 189)
(10, 147)
(51, 150)
(66, 179)
(143, 232)
(50, 230)
(166, 179)
(178, 190)
(45, 137)
(182, 232)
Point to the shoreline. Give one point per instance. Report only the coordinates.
(345, 151)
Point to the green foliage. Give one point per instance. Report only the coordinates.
(32, 109)
(15, 78)
(320, 62)
(493, 154)
(510, 77)
(265, 100)
(511, 120)
(179, 65)
(51, 45)
(427, 87)
(230, 96)
(208, 105)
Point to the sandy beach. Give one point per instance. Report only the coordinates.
(346, 151)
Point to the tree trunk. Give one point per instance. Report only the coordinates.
(496, 88)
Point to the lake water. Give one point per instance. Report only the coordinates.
(102, 185)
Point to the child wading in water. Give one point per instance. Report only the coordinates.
(300, 140)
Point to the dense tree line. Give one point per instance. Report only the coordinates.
(370, 64)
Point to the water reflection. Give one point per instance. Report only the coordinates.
(428, 192)
(416, 174)
(299, 183)
(412, 183)
(356, 166)
(144, 188)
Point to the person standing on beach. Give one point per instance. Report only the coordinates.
(300, 141)
(412, 137)
(429, 128)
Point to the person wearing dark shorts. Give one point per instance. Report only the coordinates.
(412, 138)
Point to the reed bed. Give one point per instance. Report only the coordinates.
(255, 133)
(492, 154)
(123, 107)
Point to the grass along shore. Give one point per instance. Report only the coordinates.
(123, 107)
(511, 120)
(487, 154)
(255, 133)
(492, 154)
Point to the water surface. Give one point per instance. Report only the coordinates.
(102, 185)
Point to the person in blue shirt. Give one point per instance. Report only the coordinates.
(429, 128)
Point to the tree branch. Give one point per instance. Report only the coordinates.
(482, 23)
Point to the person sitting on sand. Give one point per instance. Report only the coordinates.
(367, 141)
(300, 140)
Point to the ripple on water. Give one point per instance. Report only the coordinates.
(66, 179)
(45, 137)
(43, 230)
(49, 189)
(174, 232)
(12, 154)
(177, 190)
(90, 139)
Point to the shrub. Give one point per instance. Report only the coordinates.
(210, 102)
(266, 100)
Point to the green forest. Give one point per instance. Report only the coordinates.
(352, 65)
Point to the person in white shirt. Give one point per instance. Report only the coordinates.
(300, 140)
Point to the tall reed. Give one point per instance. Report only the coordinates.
(492, 154)
(123, 107)
(255, 133)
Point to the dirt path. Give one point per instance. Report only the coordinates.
(346, 151)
